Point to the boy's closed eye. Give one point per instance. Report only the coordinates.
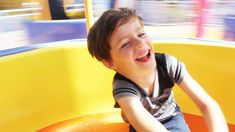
(142, 35)
(124, 45)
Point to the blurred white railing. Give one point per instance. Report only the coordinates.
(168, 12)
(11, 20)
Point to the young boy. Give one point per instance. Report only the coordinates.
(142, 85)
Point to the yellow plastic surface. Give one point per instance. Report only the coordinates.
(41, 87)
(212, 65)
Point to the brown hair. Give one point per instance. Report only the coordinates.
(101, 31)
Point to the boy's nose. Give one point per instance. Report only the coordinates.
(138, 43)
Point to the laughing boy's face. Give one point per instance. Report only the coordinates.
(131, 50)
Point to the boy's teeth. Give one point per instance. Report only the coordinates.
(143, 55)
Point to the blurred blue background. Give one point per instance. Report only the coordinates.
(27, 22)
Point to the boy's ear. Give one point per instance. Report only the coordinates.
(108, 64)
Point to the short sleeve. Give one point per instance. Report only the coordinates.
(176, 69)
(122, 88)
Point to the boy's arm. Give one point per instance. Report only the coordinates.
(212, 113)
(124, 117)
(138, 116)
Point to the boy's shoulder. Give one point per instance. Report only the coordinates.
(120, 79)
(160, 57)
(165, 59)
(162, 68)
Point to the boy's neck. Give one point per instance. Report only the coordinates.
(146, 82)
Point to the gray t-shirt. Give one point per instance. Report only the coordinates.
(162, 104)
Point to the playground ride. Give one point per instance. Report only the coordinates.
(59, 86)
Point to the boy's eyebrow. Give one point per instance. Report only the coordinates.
(118, 42)
(137, 29)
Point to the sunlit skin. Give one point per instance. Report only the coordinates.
(132, 53)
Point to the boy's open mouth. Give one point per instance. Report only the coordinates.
(145, 57)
